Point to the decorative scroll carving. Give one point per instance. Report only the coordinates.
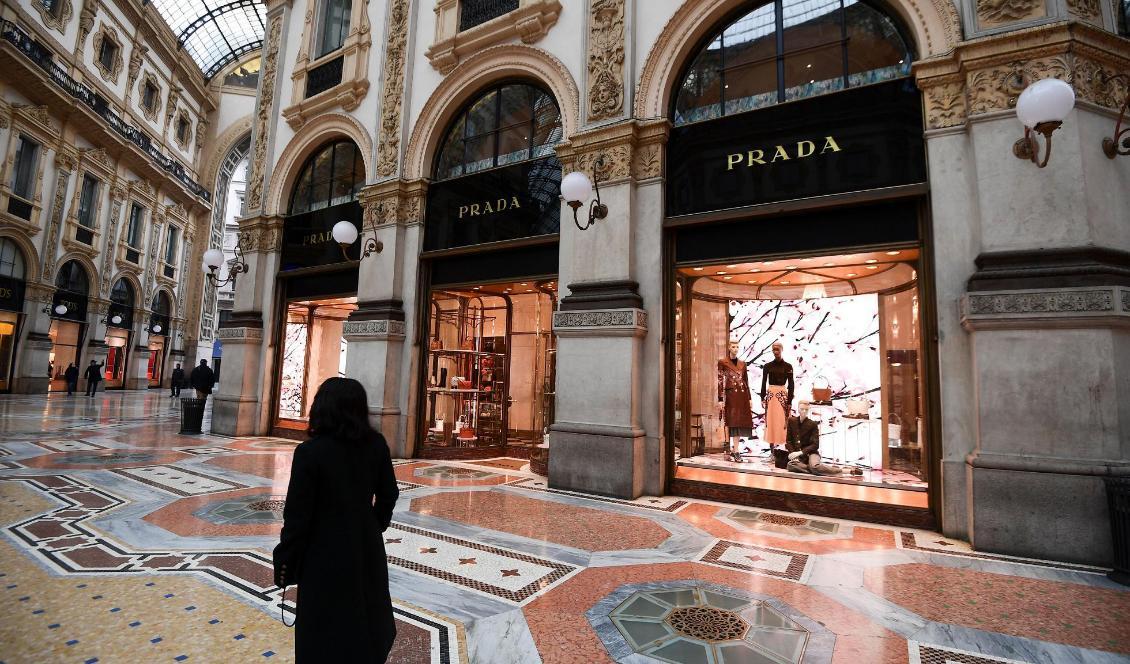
(37, 114)
(945, 105)
(999, 12)
(110, 249)
(171, 102)
(263, 115)
(109, 73)
(373, 328)
(233, 333)
(86, 20)
(57, 16)
(388, 145)
(94, 154)
(606, 59)
(1097, 84)
(55, 223)
(997, 88)
(1042, 302)
(648, 162)
(599, 318)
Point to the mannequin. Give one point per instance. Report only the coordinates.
(777, 396)
(804, 445)
(734, 400)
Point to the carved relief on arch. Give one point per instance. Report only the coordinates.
(934, 26)
(308, 139)
(474, 74)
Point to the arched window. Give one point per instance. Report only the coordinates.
(72, 278)
(161, 305)
(11, 260)
(787, 50)
(506, 124)
(331, 176)
(122, 294)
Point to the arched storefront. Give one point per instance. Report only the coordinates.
(13, 274)
(796, 216)
(317, 280)
(119, 333)
(159, 330)
(490, 277)
(68, 322)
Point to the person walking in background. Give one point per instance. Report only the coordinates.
(93, 375)
(177, 381)
(202, 379)
(71, 374)
(340, 499)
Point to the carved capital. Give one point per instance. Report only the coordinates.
(393, 202)
(618, 151)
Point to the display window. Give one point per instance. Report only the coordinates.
(313, 349)
(9, 330)
(66, 340)
(114, 372)
(808, 367)
(156, 360)
(489, 368)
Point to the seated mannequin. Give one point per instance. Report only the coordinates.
(803, 442)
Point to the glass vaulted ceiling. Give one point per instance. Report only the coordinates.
(215, 32)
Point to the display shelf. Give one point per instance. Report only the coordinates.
(451, 390)
(462, 351)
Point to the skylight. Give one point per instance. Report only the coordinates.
(215, 32)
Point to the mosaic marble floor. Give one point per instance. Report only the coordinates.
(123, 541)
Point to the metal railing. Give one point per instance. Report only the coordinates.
(44, 59)
(475, 12)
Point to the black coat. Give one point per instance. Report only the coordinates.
(94, 372)
(802, 436)
(202, 378)
(71, 374)
(338, 504)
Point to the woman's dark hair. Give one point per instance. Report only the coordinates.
(341, 410)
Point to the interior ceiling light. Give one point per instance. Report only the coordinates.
(731, 266)
(698, 269)
(872, 267)
(720, 272)
(893, 253)
(870, 260)
(829, 264)
(790, 267)
(785, 283)
(524, 284)
(727, 277)
(851, 274)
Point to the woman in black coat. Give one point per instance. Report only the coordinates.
(340, 499)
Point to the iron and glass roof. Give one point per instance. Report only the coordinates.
(215, 33)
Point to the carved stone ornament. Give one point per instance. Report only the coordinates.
(263, 115)
(1088, 10)
(606, 59)
(945, 105)
(388, 145)
(530, 21)
(97, 155)
(239, 333)
(201, 132)
(374, 329)
(57, 16)
(1042, 302)
(997, 88)
(1098, 84)
(393, 202)
(999, 12)
(109, 73)
(36, 114)
(86, 20)
(55, 223)
(614, 318)
(172, 101)
(136, 57)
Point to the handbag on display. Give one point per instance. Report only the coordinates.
(469, 344)
(858, 408)
(821, 390)
(435, 344)
(894, 430)
(439, 425)
(462, 384)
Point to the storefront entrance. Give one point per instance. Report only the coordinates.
(313, 349)
(68, 323)
(114, 372)
(489, 368)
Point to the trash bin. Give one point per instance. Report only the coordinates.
(191, 415)
(1118, 500)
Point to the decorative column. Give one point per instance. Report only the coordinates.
(376, 331)
(604, 408)
(35, 348)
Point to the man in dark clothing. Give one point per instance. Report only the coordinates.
(71, 375)
(93, 375)
(202, 379)
(177, 381)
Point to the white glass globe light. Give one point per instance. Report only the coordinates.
(576, 188)
(116, 320)
(157, 328)
(61, 309)
(1046, 100)
(213, 259)
(345, 232)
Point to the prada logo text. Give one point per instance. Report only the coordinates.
(761, 157)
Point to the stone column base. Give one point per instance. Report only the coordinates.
(597, 459)
(232, 416)
(1041, 508)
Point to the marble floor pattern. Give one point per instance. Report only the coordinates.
(123, 541)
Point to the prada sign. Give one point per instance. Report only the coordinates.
(308, 238)
(505, 203)
(11, 294)
(859, 139)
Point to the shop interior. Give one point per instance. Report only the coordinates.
(849, 328)
(66, 340)
(114, 373)
(314, 348)
(8, 327)
(490, 367)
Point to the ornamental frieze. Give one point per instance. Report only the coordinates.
(999, 12)
(263, 115)
(600, 318)
(374, 328)
(388, 146)
(606, 59)
(233, 333)
(1042, 302)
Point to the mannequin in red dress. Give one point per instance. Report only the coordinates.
(734, 400)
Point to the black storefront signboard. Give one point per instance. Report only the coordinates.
(11, 294)
(122, 310)
(865, 138)
(509, 203)
(308, 238)
(74, 302)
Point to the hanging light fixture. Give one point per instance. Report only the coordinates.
(345, 234)
(1042, 108)
(1119, 143)
(576, 189)
(214, 258)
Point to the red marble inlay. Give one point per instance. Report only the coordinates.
(1068, 613)
(406, 473)
(862, 539)
(93, 557)
(243, 568)
(178, 517)
(580, 527)
(45, 529)
(159, 562)
(274, 466)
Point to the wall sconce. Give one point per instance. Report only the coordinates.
(60, 310)
(1120, 143)
(113, 320)
(214, 258)
(1041, 108)
(345, 234)
(576, 188)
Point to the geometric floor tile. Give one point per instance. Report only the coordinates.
(924, 654)
(758, 560)
(933, 543)
(783, 525)
(658, 503)
(262, 508)
(177, 480)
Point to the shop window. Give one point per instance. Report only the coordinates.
(8, 322)
(810, 354)
(507, 124)
(335, 25)
(490, 366)
(332, 176)
(11, 260)
(787, 50)
(314, 349)
(477, 12)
